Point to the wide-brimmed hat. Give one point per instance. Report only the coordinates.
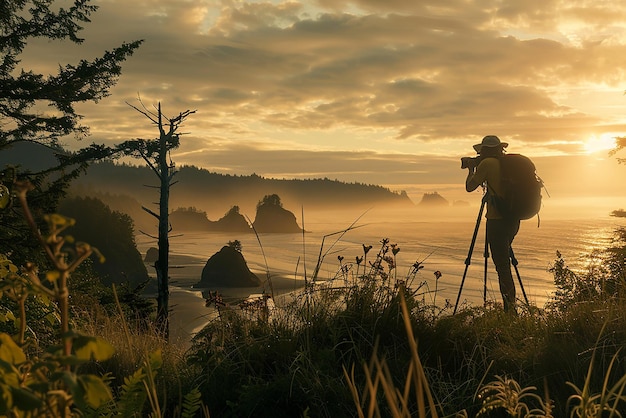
(490, 141)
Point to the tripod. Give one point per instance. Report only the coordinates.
(468, 260)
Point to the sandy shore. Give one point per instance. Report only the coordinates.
(188, 311)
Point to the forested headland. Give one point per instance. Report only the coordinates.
(216, 193)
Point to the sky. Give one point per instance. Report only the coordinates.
(389, 92)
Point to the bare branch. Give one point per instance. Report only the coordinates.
(148, 235)
(145, 113)
(151, 212)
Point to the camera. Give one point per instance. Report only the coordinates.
(469, 162)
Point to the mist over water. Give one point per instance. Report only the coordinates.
(439, 238)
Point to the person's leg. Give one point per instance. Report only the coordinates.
(500, 234)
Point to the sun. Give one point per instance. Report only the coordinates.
(601, 143)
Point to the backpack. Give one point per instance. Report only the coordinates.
(521, 187)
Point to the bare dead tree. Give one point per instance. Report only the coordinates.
(156, 154)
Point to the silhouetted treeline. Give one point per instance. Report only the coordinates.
(110, 231)
(198, 187)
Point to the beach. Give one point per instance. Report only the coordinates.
(440, 247)
(188, 310)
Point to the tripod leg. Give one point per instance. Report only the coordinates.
(486, 255)
(468, 260)
(519, 279)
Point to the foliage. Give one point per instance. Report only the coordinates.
(113, 233)
(564, 360)
(236, 244)
(24, 94)
(270, 200)
(58, 380)
(604, 279)
(92, 298)
(50, 385)
(24, 91)
(287, 360)
(155, 153)
(202, 188)
(606, 403)
(620, 144)
(506, 395)
(378, 377)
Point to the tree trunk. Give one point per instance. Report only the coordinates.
(162, 264)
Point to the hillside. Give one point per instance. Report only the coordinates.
(127, 188)
(216, 193)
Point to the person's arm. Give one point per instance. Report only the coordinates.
(471, 183)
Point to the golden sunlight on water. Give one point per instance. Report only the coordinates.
(441, 242)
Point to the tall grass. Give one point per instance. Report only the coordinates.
(372, 343)
(76, 375)
(348, 347)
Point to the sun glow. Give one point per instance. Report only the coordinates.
(600, 143)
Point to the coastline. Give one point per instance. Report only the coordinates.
(188, 310)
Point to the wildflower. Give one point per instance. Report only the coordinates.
(395, 249)
(390, 262)
(376, 266)
(438, 274)
(340, 258)
(418, 266)
(359, 260)
(216, 298)
(366, 249)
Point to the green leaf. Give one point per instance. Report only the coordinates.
(191, 403)
(25, 400)
(52, 275)
(6, 399)
(133, 394)
(96, 391)
(7, 316)
(5, 196)
(70, 380)
(52, 318)
(88, 347)
(10, 351)
(155, 360)
(10, 374)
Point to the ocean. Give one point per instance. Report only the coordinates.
(439, 239)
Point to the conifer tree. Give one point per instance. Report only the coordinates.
(24, 92)
(40, 108)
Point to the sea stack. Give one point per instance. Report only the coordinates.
(227, 268)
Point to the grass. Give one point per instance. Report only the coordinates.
(371, 343)
(328, 352)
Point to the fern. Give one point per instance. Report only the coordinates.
(192, 402)
(508, 396)
(132, 395)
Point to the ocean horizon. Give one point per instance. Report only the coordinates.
(439, 240)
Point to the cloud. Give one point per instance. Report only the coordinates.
(370, 167)
(409, 74)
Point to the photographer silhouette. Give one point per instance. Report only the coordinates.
(501, 230)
